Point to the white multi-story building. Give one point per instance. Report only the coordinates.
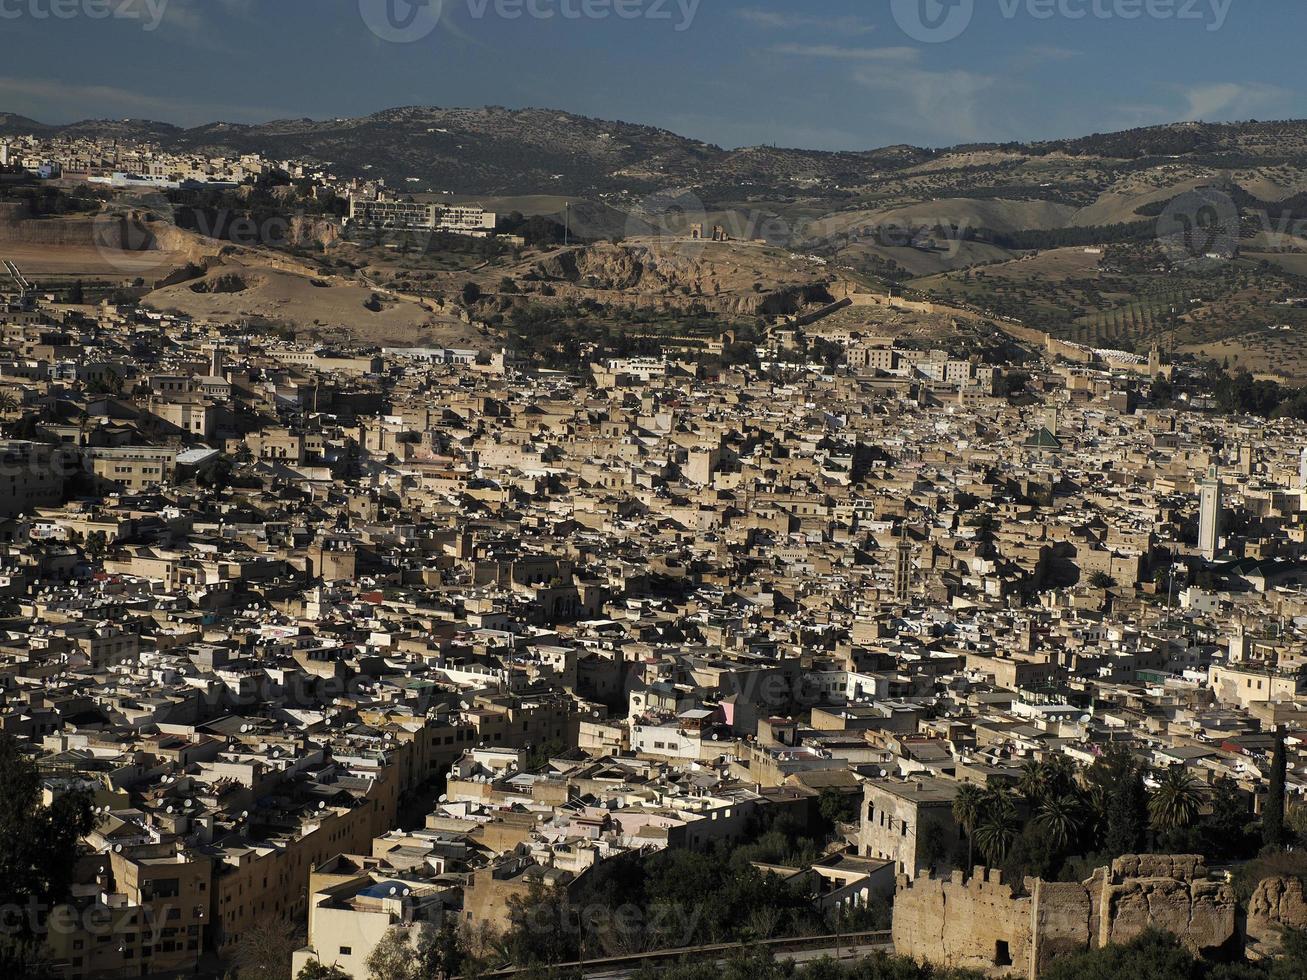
(456, 220)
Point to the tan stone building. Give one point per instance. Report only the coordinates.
(910, 823)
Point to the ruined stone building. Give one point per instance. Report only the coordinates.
(984, 923)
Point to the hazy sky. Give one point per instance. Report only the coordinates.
(831, 74)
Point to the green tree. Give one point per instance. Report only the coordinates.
(394, 958)
(1292, 961)
(1177, 801)
(1117, 791)
(443, 954)
(1153, 956)
(538, 931)
(1273, 829)
(1226, 827)
(97, 545)
(1035, 853)
(25, 958)
(1059, 775)
(39, 844)
(265, 950)
(998, 827)
(836, 807)
(1032, 782)
(1061, 817)
(318, 971)
(968, 806)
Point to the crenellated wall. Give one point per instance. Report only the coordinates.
(962, 921)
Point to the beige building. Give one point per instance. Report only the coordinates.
(353, 905)
(910, 823)
(133, 467)
(152, 917)
(1247, 685)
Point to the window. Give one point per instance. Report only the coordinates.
(347, 951)
(1002, 954)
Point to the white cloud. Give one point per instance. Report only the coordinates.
(192, 21)
(1044, 54)
(902, 55)
(785, 21)
(943, 106)
(1228, 100)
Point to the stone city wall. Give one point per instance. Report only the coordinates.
(983, 923)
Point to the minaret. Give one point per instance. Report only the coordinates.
(903, 569)
(1209, 514)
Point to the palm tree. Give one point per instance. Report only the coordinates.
(1001, 802)
(1059, 775)
(995, 836)
(1033, 781)
(997, 826)
(1177, 801)
(1061, 817)
(967, 808)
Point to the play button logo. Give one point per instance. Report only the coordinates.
(933, 21)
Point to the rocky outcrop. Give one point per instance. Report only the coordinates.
(598, 266)
(1276, 904)
(675, 275)
(308, 230)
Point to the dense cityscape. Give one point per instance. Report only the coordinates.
(505, 543)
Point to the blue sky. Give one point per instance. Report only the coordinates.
(828, 74)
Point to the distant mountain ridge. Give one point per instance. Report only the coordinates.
(494, 150)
